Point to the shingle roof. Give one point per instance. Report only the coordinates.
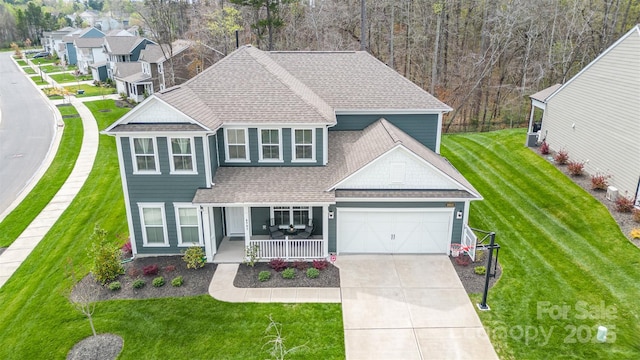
(124, 69)
(88, 42)
(313, 183)
(400, 194)
(542, 95)
(355, 80)
(154, 54)
(122, 45)
(156, 127)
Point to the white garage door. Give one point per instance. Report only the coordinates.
(394, 231)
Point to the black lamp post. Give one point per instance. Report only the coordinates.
(492, 245)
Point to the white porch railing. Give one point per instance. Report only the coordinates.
(469, 242)
(288, 249)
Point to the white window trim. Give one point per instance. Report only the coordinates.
(193, 156)
(160, 67)
(246, 146)
(291, 208)
(141, 207)
(260, 151)
(293, 146)
(176, 207)
(134, 160)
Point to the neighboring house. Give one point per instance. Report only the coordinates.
(89, 51)
(121, 49)
(335, 144)
(69, 40)
(53, 42)
(134, 80)
(595, 116)
(158, 62)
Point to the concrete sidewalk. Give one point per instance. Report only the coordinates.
(15, 254)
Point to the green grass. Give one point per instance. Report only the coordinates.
(560, 247)
(39, 80)
(90, 90)
(42, 61)
(53, 68)
(68, 77)
(18, 220)
(37, 321)
(29, 70)
(21, 63)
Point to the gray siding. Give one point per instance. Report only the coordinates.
(286, 149)
(317, 220)
(162, 188)
(260, 216)
(422, 127)
(456, 232)
(596, 116)
(217, 223)
(213, 155)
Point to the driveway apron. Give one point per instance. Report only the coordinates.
(408, 307)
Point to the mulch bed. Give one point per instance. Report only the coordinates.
(247, 277)
(99, 347)
(472, 282)
(196, 282)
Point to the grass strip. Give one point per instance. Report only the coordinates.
(68, 77)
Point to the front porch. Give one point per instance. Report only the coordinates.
(232, 250)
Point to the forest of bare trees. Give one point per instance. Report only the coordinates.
(482, 57)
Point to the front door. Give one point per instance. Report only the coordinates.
(234, 221)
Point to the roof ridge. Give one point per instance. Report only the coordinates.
(303, 91)
(388, 127)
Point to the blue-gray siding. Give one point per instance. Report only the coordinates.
(422, 127)
(286, 150)
(162, 188)
(217, 223)
(213, 150)
(456, 232)
(260, 216)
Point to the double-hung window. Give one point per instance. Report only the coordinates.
(298, 216)
(152, 222)
(182, 155)
(237, 149)
(303, 145)
(270, 148)
(145, 156)
(188, 225)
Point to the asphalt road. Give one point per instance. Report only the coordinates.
(27, 128)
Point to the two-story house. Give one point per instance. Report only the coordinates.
(301, 154)
(89, 51)
(123, 49)
(69, 41)
(156, 58)
(52, 41)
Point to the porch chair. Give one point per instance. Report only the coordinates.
(306, 233)
(275, 233)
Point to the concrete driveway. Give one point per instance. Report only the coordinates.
(408, 307)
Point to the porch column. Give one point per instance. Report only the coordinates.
(209, 249)
(247, 226)
(465, 219)
(325, 230)
(531, 118)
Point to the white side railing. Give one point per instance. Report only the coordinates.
(288, 249)
(469, 242)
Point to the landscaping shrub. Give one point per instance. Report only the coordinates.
(636, 214)
(138, 284)
(264, 275)
(575, 168)
(600, 181)
(300, 265)
(170, 268)
(150, 270)
(480, 270)
(561, 157)
(624, 204)
(158, 282)
(115, 285)
(277, 264)
(194, 257)
(134, 272)
(106, 265)
(251, 255)
(288, 273)
(544, 148)
(635, 233)
(177, 281)
(320, 264)
(126, 248)
(313, 273)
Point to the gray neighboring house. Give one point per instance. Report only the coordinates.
(302, 154)
(595, 116)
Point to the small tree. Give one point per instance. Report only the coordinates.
(82, 296)
(106, 257)
(275, 341)
(16, 49)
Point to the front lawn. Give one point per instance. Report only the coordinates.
(69, 77)
(39, 80)
(53, 68)
(29, 70)
(567, 268)
(21, 63)
(18, 220)
(90, 90)
(42, 61)
(37, 321)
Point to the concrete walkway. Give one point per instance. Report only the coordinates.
(393, 307)
(15, 254)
